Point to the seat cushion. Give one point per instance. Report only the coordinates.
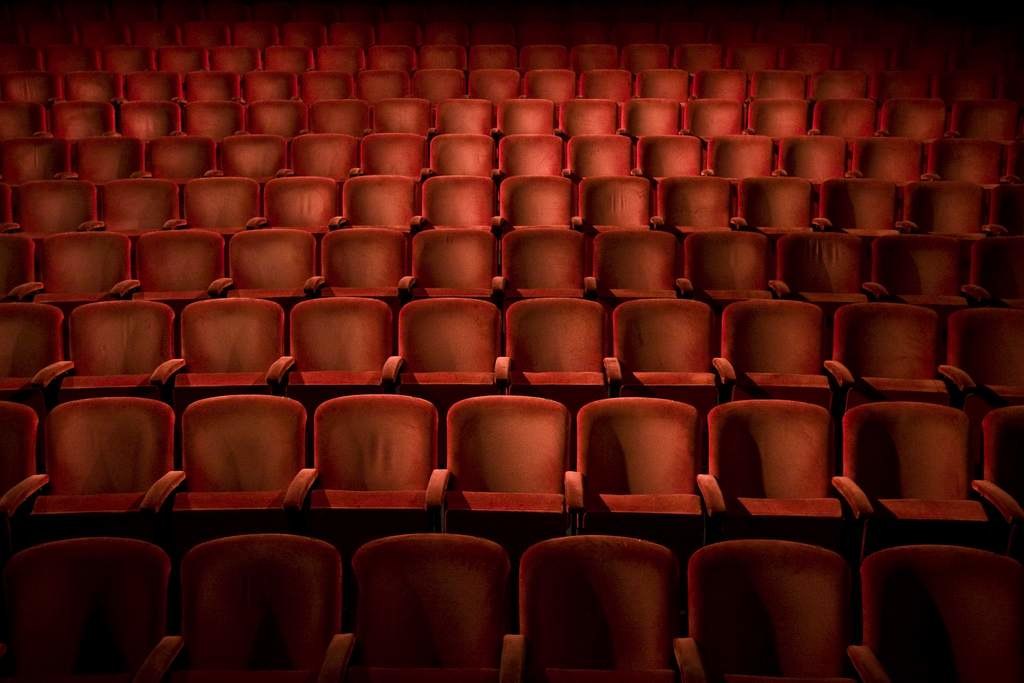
(228, 500)
(73, 382)
(335, 499)
(737, 678)
(659, 504)
(789, 507)
(361, 674)
(505, 502)
(701, 379)
(563, 378)
(906, 389)
(85, 678)
(932, 510)
(595, 676)
(333, 378)
(93, 503)
(244, 676)
(478, 378)
(220, 379)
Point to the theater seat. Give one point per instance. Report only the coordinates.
(456, 201)
(923, 270)
(222, 205)
(697, 204)
(133, 206)
(664, 156)
(793, 600)
(451, 263)
(271, 263)
(389, 636)
(599, 608)
(30, 372)
(530, 155)
(864, 207)
(948, 207)
(17, 261)
(364, 262)
(725, 266)
(635, 264)
(994, 277)
(52, 206)
(79, 267)
(20, 478)
(922, 606)
(302, 203)
(180, 158)
(526, 201)
(63, 594)
(225, 585)
(109, 462)
(774, 206)
(1001, 483)
(377, 463)
(739, 156)
(243, 458)
(822, 268)
(387, 201)
(104, 159)
(542, 262)
(611, 203)
(636, 465)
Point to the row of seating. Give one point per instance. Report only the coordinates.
(604, 203)
(503, 470)
(818, 158)
(441, 608)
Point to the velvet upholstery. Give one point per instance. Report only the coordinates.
(814, 157)
(945, 207)
(664, 156)
(351, 117)
(430, 601)
(898, 160)
(555, 335)
(777, 117)
(536, 201)
(179, 261)
(859, 206)
(985, 119)
(231, 335)
(221, 204)
(584, 116)
(84, 263)
(401, 115)
(606, 84)
(449, 336)
(47, 207)
(917, 118)
(777, 83)
(152, 119)
(923, 606)
(286, 118)
(769, 608)
(19, 426)
(846, 116)
(32, 338)
(76, 120)
(458, 201)
(973, 161)
(599, 155)
(531, 155)
(85, 607)
(275, 259)
(557, 85)
(17, 261)
(662, 336)
(1002, 431)
(436, 84)
(726, 84)
(982, 342)
(22, 119)
(581, 601)
(775, 205)
(330, 155)
(825, 263)
(918, 269)
(630, 264)
(374, 85)
(264, 602)
(542, 262)
(739, 156)
(460, 154)
(381, 201)
(259, 157)
(306, 203)
(102, 160)
(1007, 208)
(524, 116)
(402, 154)
(212, 86)
(214, 119)
(615, 203)
(711, 117)
(727, 261)
(27, 159)
(359, 331)
(372, 259)
(694, 204)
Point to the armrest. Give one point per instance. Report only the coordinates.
(295, 495)
(161, 490)
(1009, 180)
(881, 133)
(25, 291)
(21, 492)
(497, 286)
(512, 655)
(589, 287)
(314, 285)
(684, 287)
(91, 226)
(738, 223)
(814, 131)
(336, 659)
(1005, 504)
(53, 373)
(417, 223)
(355, 172)
(65, 175)
(853, 174)
(576, 223)
(391, 370)
(166, 371)
(866, 664)
(574, 491)
(906, 226)
(219, 287)
(160, 660)
(749, 131)
(951, 134)
(502, 370)
(257, 222)
(875, 290)
(691, 669)
(125, 288)
(337, 223)
(213, 173)
(994, 229)
(854, 496)
(711, 492)
(724, 370)
(566, 173)
(406, 284)
(975, 294)
(841, 376)
(637, 173)
(10, 227)
(780, 290)
(657, 222)
(175, 224)
(562, 133)
(956, 378)
(277, 374)
(436, 487)
(780, 173)
(612, 371)
(821, 224)
(284, 173)
(930, 176)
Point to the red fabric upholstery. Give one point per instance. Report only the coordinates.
(55, 206)
(449, 336)
(231, 335)
(867, 205)
(221, 204)
(104, 159)
(642, 261)
(31, 338)
(525, 116)
(726, 260)
(276, 259)
(120, 337)
(259, 157)
(531, 155)
(85, 606)
(1002, 430)
(351, 117)
(17, 261)
(180, 158)
(381, 201)
(85, 262)
(588, 117)
(897, 160)
(535, 201)
(886, 340)
(775, 205)
(458, 202)
(543, 262)
(179, 261)
(814, 157)
(819, 262)
(663, 156)
(599, 155)
(945, 207)
(555, 335)
(26, 159)
(769, 608)
(214, 119)
(923, 604)
(740, 156)
(455, 154)
(693, 204)
(844, 114)
(306, 203)
(139, 205)
(19, 427)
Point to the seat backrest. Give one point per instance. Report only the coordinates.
(431, 600)
(859, 204)
(243, 443)
(662, 335)
(137, 204)
(449, 335)
(619, 202)
(536, 201)
(994, 266)
(819, 262)
(916, 264)
(907, 450)
(597, 602)
(232, 335)
(770, 449)
(375, 443)
(646, 446)
(726, 260)
(642, 260)
(49, 206)
(257, 602)
(1003, 429)
(394, 154)
(120, 337)
(773, 336)
(17, 261)
(85, 262)
(770, 608)
(740, 156)
(458, 201)
(665, 156)
(367, 257)
(179, 260)
(508, 444)
(555, 335)
(85, 606)
(983, 341)
(924, 604)
(886, 340)
(380, 201)
(108, 445)
(945, 206)
(299, 202)
(599, 155)
(221, 202)
(32, 338)
(814, 157)
(344, 334)
(272, 259)
(698, 202)
(455, 154)
(19, 432)
(542, 258)
(775, 202)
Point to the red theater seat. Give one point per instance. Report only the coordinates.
(774, 206)
(947, 207)
(725, 266)
(635, 264)
(212, 86)
(236, 59)
(270, 263)
(447, 263)
(103, 159)
(464, 116)
(260, 157)
(455, 154)
(305, 203)
(457, 202)
(993, 269)
(223, 205)
(439, 84)
(134, 206)
(844, 84)
(973, 161)
(536, 201)
(28, 370)
(613, 203)
(214, 119)
(542, 262)
(177, 267)
(739, 156)
(329, 155)
(588, 117)
(915, 118)
(598, 155)
(525, 117)
(858, 206)
(672, 84)
(401, 154)
(17, 261)
(402, 115)
(351, 117)
(846, 118)
(35, 158)
(814, 157)
(777, 83)
(380, 201)
(693, 204)
(984, 119)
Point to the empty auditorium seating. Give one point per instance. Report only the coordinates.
(103, 159)
(351, 117)
(401, 115)
(37, 158)
(139, 205)
(525, 116)
(777, 84)
(724, 84)
(816, 158)
(223, 205)
(464, 116)
(948, 207)
(739, 156)
(672, 84)
(457, 201)
(973, 161)
(74, 120)
(260, 157)
(598, 155)
(993, 274)
(984, 119)
(462, 154)
(724, 266)
(774, 205)
(383, 201)
(215, 119)
(777, 118)
(588, 117)
(542, 262)
(496, 85)
(30, 369)
(307, 203)
(916, 269)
